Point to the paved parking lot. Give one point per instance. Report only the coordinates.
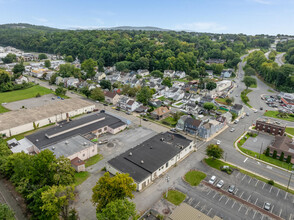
(255, 144)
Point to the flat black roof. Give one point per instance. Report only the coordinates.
(147, 157)
(40, 139)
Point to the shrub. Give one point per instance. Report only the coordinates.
(38, 95)
(282, 156)
(289, 159)
(271, 182)
(275, 154)
(267, 152)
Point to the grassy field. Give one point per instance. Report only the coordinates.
(2, 109)
(175, 197)
(217, 164)
(194, 177)
(221, 101)
(81, 177)
(23, 94)
(169, 121)
(274, 114)
(92, 160)
(290, 130)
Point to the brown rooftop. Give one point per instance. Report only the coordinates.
(77, 162)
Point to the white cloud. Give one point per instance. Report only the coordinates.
(201, 26)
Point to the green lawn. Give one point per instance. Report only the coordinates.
(3, 109)
(194, 177)
(221, 100)
(169, 121)
(81, 177)
(175, 197)
(181, 80)
(244, 97)
(290, 130)
(253, 86)
(24, 94)
(162, 98)
(269, 90)
(274, 114)
(217, 164)
(92, 160)
(180, 103)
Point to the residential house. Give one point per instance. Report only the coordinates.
(122, 102)
(227, 73)
(132, 105)
(192, 125)
(181, 122)
(58, 80)
(237, 109)
(49, 75)
(160, 113)
(169, 73)
(99, 76)
(21, 80)
(142, 109)
(155, 103)
(209, 128)
(180, 74)
(143, 73)
(223, 85)
(228, 117)
(72, 82)
(111, 97)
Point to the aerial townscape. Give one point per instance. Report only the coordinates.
(158, 110)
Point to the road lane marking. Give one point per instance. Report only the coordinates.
(240, 207)
(278, 192)
(248, 198)
(209, 211)
(221, 198)
(227, 201)
(286, 195)
(280, 212)
(271, 189)
(233, 204)
(254, 214)
(256, 182)
(256, 201)
(245, 159)
(263, 185)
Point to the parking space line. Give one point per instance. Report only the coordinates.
(280, 212)
(271, 189)
(290, 216)
(237, 175)
(256, 201)
(249, 180)
(272, 208)
(278, 192)
(246, 211)
(209, 192)
(236, 191)
(248, 198)
(227, 201)
(209, 211)
(214, 195)
(202, 208)
(254, 214)
(241, 194)
(262, 217)
(240, 207)
(263, 185)
(243, 177)
(197, 204)
(221, 198)
(286, 195)
(233, 204)
(256, 182)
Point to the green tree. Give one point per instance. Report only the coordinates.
(249, 71)
(69, 59)
(176, 116)
(6, 213)
(109, 189)
(60, 91)
(53, 79)
(88, 66)
(228, 101)
(289, 159)
(97, 94)
(123, 66)
(18, 68)
(275, 154)
(267, 152)
(167, 82)
(194, 74)
(144, 95)
(120, 209)
(47, 63)
(157, 74)
(282, 156)
(10, 58)
(208, 106)
(210, 85)
(105, 84)
(63, 172)
(42, 56)
(248, 81)
(217, 68)
(214, 151)
(56, 201)
(85, 90)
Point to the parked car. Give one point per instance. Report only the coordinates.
(231, 189)
(236, 121)
(103, 142)
(218, 142)
(97, 101)
(173, 130)
(247, 114)
(212, 180)
(242, 116)
(51, 98)
(232, 130)
(267, 206)
(255, 111)
(128, 113)
(220, 184)
(261, 108)
(102, 111)
(145, 119)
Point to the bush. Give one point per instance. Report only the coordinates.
(289, 159)
(38, 95)
(226, 169)
(267, 152)
(271, 182)
(282, 156)
(275, 154)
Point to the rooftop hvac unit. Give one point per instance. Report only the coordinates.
(142, 161)
(66, 142)
(37, 140)
(53, 148)
(130, 153)
(85, 144)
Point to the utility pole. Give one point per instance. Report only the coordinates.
(260, 149)
(167, 180)
(290, 177)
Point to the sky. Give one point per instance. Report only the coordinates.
(214, 16)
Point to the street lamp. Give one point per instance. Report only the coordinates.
(290, 177)
(167, 178)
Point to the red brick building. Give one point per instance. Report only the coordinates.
(269, 126)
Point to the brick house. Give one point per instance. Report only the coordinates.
(269, 126)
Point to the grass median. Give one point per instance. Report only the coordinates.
(275, 114)
(244, 97)
(175, 197)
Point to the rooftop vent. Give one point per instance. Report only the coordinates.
(85, 144)
(130, 153)
(66, 142)
(37, 140)
(53, 148)
(142, 161)
(162, 139)
(151, 147)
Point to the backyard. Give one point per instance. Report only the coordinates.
(274, 114)
(170, 121)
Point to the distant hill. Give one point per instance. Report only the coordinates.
(146, 28)
(24, 26)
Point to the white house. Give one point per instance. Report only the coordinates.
(169, 73)
(21, 80)
(180, 74)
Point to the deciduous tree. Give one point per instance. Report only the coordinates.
(214, 151)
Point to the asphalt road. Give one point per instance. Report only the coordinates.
(279, 60)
